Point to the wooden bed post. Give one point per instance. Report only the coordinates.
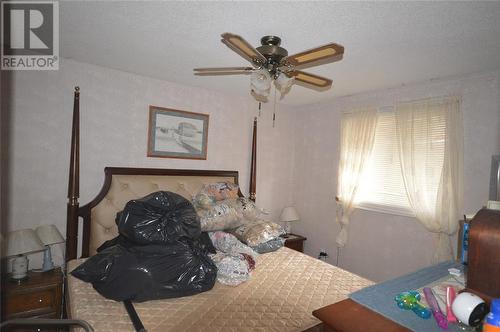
(74, 182)
(253, 165)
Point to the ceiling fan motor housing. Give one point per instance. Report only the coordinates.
(272, 51)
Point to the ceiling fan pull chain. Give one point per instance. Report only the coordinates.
(274, 109)
(260, 105)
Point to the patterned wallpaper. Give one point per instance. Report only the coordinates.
(382, 246)
(114, 120)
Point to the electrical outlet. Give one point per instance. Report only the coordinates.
(323, 255)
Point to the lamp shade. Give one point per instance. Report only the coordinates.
(22, 241)
(283, 82)
(260, 82)
(289, 214)
(49, 234)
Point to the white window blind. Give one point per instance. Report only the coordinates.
(382, 188)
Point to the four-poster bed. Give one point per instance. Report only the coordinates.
(281, 294)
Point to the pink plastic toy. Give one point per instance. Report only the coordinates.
(436, 311)
(450, 297)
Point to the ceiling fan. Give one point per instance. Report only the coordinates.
(271, 62)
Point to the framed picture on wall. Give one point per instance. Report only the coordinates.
(177, 134)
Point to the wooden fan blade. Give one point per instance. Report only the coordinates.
(333, 52)
(311, 79)
(222, 69)
(243, 48)
(221, 73)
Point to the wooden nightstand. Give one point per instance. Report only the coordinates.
(295, 242)
(38, 297)
(349, 316)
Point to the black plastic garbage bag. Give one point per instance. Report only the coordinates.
(160, 253)
(149, 272)
(204, 243)
(160, 217)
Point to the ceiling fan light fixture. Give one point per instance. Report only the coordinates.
(271, 62)
(283, 83)
(260, 82)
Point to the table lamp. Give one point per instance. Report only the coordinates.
(288, 215)
(20, 243)
(48, 234)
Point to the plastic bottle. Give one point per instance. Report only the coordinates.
(492, 320)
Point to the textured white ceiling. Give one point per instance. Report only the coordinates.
(387, 44)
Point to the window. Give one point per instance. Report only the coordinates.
(382, 187)
(414, 153)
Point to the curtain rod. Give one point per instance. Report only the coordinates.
(385, 108)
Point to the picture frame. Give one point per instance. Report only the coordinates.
(177, 134)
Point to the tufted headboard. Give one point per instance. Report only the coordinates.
(123, 184)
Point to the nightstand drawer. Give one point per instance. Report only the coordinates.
(295, 242)
(295, 245)
(36, 300)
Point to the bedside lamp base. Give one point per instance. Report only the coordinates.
(19, 269)
(47, 260)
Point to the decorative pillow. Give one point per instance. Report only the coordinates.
(219, 217)
(215, 192)
(234, 260)
(231, 270)
(258, 232)
(203, 201)
(227, 214)
(269, 246)
(249, 210)
(229, 244)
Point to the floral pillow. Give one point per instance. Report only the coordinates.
(258, 232)
(215, 192)
(269, 246)
(229, 244)
(233, 259)
(228, 214)
(219, 217)
(248, 209)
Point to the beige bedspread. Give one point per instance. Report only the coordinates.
(284, 289)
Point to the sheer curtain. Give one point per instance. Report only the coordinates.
(433, 179)
(357, 136)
